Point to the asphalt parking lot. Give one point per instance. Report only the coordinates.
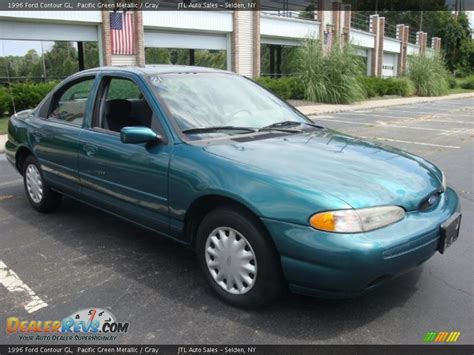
(80, 258)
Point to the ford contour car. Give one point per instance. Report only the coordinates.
(267, 198)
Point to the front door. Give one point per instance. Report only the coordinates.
(130, 180)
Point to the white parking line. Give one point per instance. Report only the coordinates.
(413, 112)
(411, 142)
(385, 125)
(9, 279)
(11, 182)
(423, 118)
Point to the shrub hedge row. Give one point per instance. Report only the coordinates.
(25, 96)
(387, 86)
(286, 87)
(293, 88)
(468, 83)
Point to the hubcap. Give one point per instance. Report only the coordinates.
(231, 260)
(34, 184)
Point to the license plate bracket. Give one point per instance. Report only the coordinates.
(449, 232)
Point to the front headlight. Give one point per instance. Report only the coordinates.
(356, 220)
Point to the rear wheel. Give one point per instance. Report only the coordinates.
(238, 259)
(41, 197)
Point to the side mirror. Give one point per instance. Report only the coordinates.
(133, 135)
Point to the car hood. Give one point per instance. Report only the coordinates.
(359, 172)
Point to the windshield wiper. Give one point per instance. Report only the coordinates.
(281, 126)
(199, 130)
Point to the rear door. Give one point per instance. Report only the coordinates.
(55, 132)
(128, 179)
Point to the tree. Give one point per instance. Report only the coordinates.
(454, 31)
(157, 56)
(91, 54)
(61, 61)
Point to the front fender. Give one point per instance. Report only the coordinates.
(195, 173)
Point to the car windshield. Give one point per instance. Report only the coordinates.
(221, 103)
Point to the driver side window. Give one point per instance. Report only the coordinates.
(122, 105)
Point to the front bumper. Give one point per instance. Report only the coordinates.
(343, 265)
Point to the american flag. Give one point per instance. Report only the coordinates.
(122, 33)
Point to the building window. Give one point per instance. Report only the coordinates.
(277, 60)
(41, 61)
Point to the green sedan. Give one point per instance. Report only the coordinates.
(268, 199)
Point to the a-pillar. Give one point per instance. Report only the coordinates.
(377, 27)
(245, 43)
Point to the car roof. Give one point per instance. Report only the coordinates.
(157, 69)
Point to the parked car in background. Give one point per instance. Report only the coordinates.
(266, 197)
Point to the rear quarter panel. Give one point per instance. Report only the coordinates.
(18, 135)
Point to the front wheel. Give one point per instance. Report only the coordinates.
(238, 259)
(41, 197)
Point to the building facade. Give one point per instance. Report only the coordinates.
(241, 41)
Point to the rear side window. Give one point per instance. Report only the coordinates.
(123, 89)
(70, 103)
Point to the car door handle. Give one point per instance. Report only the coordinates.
(90, 150)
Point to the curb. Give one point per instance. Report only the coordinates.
(314, 110)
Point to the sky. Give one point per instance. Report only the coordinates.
(20, 48)
(471, 18)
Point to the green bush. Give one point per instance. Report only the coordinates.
(4, 102)
(331, 77)
(453, 84)
(25, 95)
(297, 88)
(429, 75)
(375, 86)
(400, 86)
(372, 86)
(285, 87)
(468, 83)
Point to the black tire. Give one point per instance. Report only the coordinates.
(50, 200)
(269, 282)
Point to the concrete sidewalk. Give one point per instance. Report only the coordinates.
(379, 103)
(319, 109)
